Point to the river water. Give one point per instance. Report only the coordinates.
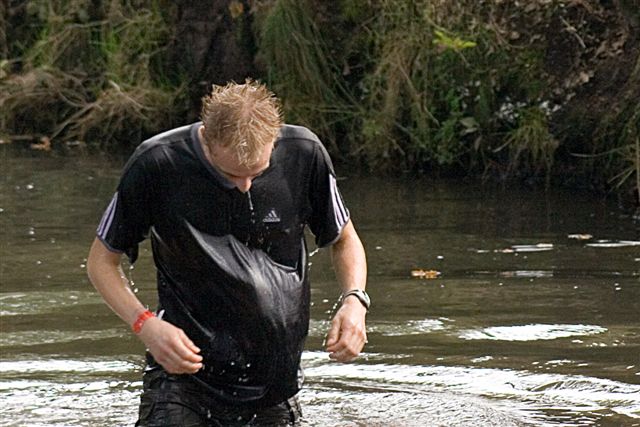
(491, 307)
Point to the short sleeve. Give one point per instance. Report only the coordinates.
(329, 213)
(127, 218)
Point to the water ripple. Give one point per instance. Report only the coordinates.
(63, 365)
(613, 244)
(532, 332)
(525, 390)
(42, 337)
(38, 302)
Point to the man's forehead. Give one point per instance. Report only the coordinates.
(229, 162)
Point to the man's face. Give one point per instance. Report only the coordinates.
(225, 160)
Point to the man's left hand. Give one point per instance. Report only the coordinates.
(347, 334)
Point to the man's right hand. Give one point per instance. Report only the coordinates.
(170, 347)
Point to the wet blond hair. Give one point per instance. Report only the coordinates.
(245, 117)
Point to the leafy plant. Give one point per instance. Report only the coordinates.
(530, 145)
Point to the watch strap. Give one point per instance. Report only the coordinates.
(360, 294)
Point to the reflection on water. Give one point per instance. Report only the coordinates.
(531, 319)
(531, 332)
(614, 244)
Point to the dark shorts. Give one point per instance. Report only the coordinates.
(176, 400)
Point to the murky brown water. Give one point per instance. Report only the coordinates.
(525, 324)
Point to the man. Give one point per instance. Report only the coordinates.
(226, 202)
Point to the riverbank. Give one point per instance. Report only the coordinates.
(543, 92)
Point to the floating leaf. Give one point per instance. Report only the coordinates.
(425, 274)
(43, 145)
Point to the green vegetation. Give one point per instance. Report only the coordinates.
(503, 89)
(86, 78)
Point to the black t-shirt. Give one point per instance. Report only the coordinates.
(232, 269)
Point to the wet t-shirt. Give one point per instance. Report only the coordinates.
(232, 270)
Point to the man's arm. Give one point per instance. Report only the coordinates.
(168, 344)
(347, 334)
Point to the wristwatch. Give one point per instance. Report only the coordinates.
(360, 294)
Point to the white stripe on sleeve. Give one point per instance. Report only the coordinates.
(339, 210)
(107, 217)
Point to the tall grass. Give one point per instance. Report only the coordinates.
(301, 70)
(616, 151)
(530, 145)
(88, 74)
(433, 75)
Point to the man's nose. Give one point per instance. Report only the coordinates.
(243, 184)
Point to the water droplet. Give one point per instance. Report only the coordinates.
(29, 187)
(232, 363)
(248, 365)
(439, 257)
(38, 262)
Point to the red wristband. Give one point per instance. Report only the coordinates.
(143, 317)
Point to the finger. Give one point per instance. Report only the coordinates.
(176, 364)
(350, 334)
(333, 334)
(343, 356)
(190, 368)
(190, 350)
(349, 347)
(343, 341)
(176, 357)
(185, 339)
(185, 353)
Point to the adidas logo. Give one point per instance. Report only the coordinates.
(272, 216)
